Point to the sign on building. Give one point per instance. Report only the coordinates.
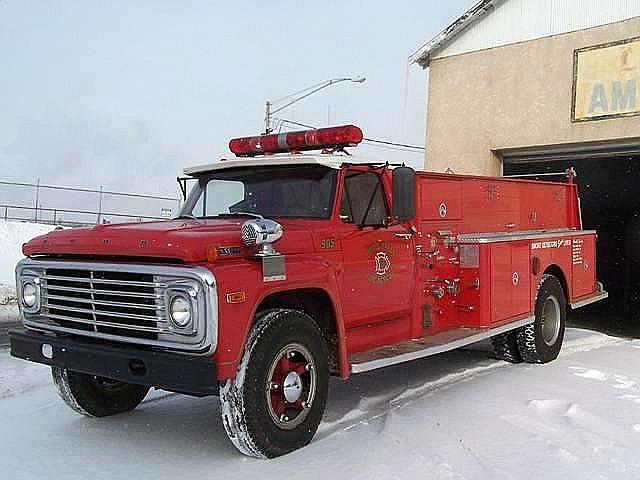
(165, 213)
(606, 81)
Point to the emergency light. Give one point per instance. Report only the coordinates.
(331, 137)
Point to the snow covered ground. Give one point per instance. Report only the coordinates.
(460, 415)
(12, 236)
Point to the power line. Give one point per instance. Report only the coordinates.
(404, 145)
(389, 147)
(368, 140)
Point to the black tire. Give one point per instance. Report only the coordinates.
(248, 400)
(96, 396)
(505, 347)
(540, 342)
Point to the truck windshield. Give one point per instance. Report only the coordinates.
(270, 191)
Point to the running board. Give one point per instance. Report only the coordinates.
(596, 297)
(427, 346)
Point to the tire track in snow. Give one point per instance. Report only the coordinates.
(387, 404)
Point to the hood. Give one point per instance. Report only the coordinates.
(185, 240)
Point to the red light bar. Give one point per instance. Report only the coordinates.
(332, 137)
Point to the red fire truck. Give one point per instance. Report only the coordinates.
(285, 268)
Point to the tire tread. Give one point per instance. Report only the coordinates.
(76, 390)
(528, 336)
(505, 347)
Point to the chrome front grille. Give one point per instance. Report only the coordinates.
(116, 303)
(124, 302)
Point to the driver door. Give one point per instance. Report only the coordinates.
(377, 280)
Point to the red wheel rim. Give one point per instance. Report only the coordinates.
(291, 385)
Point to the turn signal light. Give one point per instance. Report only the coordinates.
(236, 297)
(321, 138)
(212, 253)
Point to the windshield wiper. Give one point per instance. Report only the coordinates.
(187, 216)
(242, 214)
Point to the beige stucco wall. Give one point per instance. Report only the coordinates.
(513, 96)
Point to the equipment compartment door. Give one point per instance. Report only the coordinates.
(510, 280)
(500, 281)
(583, 253)
(520, 278)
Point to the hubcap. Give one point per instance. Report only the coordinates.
(291, 386)
(551, 321)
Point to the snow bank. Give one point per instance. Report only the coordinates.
(12, 236)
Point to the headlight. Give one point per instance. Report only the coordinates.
(180, 311)
(30, 295)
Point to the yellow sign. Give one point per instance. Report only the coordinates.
(607, 81)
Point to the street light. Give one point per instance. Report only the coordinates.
(299, 95)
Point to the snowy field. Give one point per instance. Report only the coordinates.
(460, 415)
(12, 236)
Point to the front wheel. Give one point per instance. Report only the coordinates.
(540, 342)
(96, 396)
(277, 398)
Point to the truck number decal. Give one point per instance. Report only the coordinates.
(327, 243)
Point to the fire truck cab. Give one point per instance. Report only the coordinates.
(285, 268)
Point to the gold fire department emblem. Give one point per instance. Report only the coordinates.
(380, 254)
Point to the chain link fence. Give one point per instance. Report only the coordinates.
(73, 206)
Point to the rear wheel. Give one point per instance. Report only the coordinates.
(540, 342)
(505, 347)
(277, 398)
(96, 396)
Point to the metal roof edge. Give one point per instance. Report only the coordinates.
(423, 55)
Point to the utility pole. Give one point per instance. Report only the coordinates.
(267, 118)
(100, 205)
(37, 199)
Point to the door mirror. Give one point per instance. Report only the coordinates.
(404, 193)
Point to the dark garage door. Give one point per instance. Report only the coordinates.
(610, 195)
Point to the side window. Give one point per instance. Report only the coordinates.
(363, 200)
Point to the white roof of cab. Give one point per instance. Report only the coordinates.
(326, 160)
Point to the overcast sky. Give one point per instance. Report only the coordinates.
(126, 93)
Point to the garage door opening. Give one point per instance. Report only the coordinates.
(610, 198)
